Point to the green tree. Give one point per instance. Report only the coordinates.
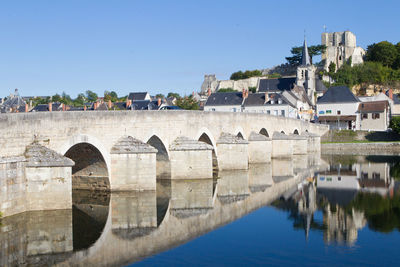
(187, 103)
(253, 89)
(332, 68)
(171, 94)
(314, 50)
(80, 100)
(56, 98)
(91, 96)
(383, 52)
(161, 96)
(395, 124)
(66, 99)
(239, 75)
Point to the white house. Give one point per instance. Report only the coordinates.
(338, 108)
(228, 102)
(272, 104)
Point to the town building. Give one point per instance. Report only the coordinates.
(271, 104)
(338, 108)
(137, 96)
(14, 103)
(228, 102)
(373, 115)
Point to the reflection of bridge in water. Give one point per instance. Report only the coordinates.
(120, 228)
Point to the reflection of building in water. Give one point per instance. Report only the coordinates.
(367, 177)
(339, 185)
(191, 197)
(342, 227)
(307, 204)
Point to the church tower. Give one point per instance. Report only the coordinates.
(306, 74)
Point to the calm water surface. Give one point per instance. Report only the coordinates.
(333, 210)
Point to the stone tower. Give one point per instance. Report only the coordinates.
(340, 47)
(306, 74)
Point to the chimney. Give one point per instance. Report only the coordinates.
(50, 107)
(243, 93)
(128, 103)
(109, 104)
(391, 93)
(63, 107)
(26, 108)
(266, 98)
(247, 93)
(158, 101)
(95, 105)
(84, 108)
(209, 92)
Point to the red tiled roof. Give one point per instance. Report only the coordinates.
(373, 106)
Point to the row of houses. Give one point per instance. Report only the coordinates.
(134, 101)
(286, 104)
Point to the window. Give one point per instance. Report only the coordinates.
(269, 112)
(375, 116)
(276, 112)
(376, 175)
(329, 112)
(365, 115)
(213, 109)
(364, 175)
(234, 109)
(282, 113)
(338, 112)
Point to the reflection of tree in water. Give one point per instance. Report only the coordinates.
(382, 213)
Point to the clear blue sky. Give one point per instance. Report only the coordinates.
(48, 47)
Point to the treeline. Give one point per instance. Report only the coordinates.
(381, 66)
(240, 75)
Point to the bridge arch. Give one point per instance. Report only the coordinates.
(264, 132)
(239, 132)
(163, 165)
(205, 137)
(92, 161)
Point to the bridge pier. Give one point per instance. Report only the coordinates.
(260, 148)
(232, 152)
(313, 142)
(48, 179)
(282, 145)
(190, 159)
(300, 144)
(133, 165)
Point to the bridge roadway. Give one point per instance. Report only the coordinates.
(126, 150)
(131, 231)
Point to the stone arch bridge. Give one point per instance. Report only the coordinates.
(44, 155)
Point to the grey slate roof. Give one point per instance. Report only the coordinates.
(395, 99)
(320, 86)
(338, 94)
(275, 85)
(221, 99)
(258, 99)
(137, 96)
(45, 107)
(144, 105)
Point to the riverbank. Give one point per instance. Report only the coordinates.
(361, 148)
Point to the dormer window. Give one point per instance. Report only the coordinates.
(272, 102)
(280, 101)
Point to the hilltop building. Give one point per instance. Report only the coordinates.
(340, 47)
